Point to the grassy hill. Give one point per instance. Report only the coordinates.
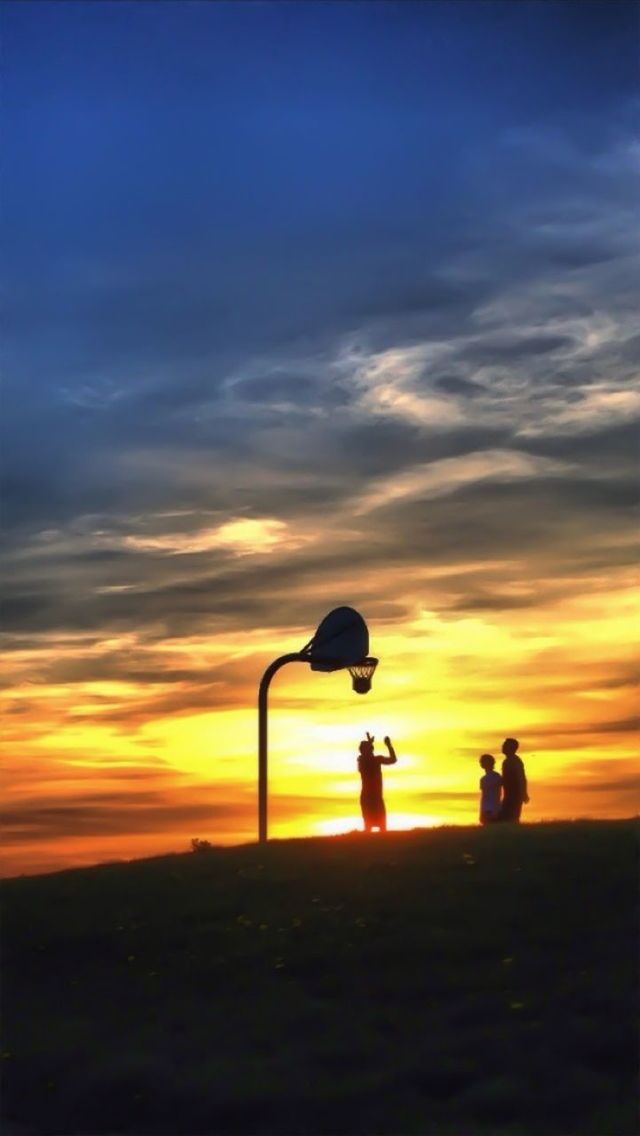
(453, 981)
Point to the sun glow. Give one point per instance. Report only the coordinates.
(169, 753)
(396, 822)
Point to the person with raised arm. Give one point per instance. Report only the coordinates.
(374, 813)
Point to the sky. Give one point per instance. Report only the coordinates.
(311, 304)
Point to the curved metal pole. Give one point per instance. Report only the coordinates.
(294, 657)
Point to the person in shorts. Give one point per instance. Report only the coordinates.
(374, 813)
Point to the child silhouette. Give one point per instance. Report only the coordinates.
(490, 790)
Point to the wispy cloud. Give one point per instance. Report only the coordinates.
(244, 536)
(439, 478)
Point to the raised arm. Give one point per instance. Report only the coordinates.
(391, 759)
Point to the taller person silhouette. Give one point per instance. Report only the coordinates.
(514, 782)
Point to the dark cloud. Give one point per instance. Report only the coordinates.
(496, 601)
(453, 384)
(111, 814)
(132, 712)
(414, 294)
(609, 448)
(611, 784)
(621, 677)
(285, 388)
(550, 520)
(579, 255)
(625, 787)
(137, 812)
(28, 774)
(385, 446)
(629, 725)
(22, 611)
(512, 349)
(562, 524)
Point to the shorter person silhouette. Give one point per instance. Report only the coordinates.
(374, 813)
(514, 782)
(490, 790)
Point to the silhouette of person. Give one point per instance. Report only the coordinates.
(490, 790)
(370, 765)
(514, 782)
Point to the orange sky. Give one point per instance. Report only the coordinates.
(110, 769)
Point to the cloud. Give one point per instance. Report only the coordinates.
(611, 784)
(242, 535)
(588, 728)
(143, 811)
(112, 814)
(440, 478)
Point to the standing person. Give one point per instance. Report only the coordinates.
(370, 765)
(490, 790)
(514, 782)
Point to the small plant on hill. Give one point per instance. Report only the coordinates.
(201, 845)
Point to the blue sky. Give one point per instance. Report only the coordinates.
(366, 270)
(191, 187)
(192, 183)
(209, 207)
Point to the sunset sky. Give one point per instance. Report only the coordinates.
(310, 304)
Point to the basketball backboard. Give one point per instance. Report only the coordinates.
(341, 640)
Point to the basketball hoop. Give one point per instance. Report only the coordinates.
(341, 642)
(361, 675)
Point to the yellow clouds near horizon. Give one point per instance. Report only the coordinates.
(117, 768)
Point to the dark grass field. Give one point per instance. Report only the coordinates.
(454, 981)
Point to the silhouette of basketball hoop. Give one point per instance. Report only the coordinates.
(341, 642)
